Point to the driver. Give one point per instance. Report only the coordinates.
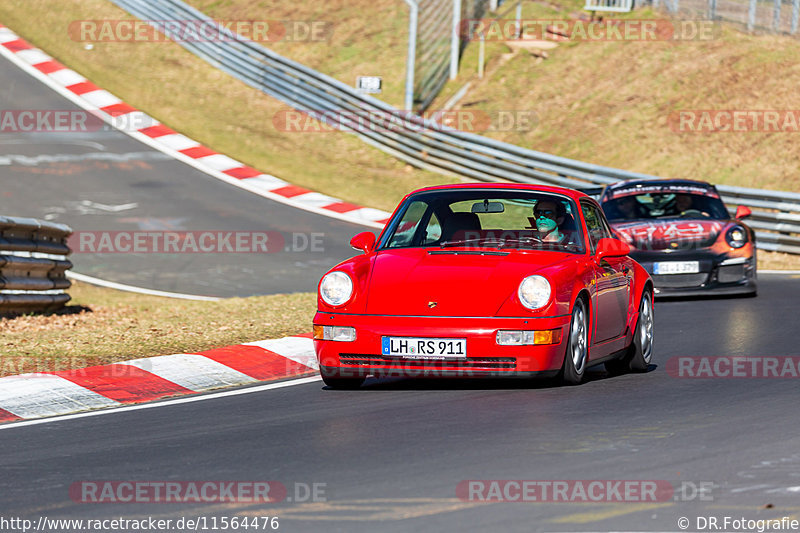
(628, 207)
(683, 203)
(549, 216)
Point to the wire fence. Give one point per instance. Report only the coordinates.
(434, 35)
(774, 16)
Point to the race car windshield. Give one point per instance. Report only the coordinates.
(498, 219)
(664, 205)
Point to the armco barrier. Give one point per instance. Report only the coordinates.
(428, 145)
(33, 265)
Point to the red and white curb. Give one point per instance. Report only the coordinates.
(148, 130)
(30, 396)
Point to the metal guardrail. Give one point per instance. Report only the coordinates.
(428, 145)
(33, 265)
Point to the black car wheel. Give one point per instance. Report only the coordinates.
(577, 353)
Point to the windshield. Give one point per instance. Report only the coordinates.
(664, 205)
(502, 219)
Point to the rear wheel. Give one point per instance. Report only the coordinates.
(577, 354)
(640, 352)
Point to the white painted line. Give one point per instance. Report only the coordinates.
(39, 395)
(192, 371)
(140, 290)
(298, 349)
(166, 403)
(787, 272)
(59, 79)
(751, 487)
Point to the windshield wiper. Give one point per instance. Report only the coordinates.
(445, 244)
(494, 243)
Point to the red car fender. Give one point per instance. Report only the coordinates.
(641, 281)
(359, 269)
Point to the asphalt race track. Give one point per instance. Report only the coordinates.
(391, 455)
(108, 181)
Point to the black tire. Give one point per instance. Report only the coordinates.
(640, 352)
(577, 353)
(618, 366)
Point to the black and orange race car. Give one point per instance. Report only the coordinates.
(684, 236)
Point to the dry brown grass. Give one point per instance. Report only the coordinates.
(778, 261)
(102, 326)
(609, 103)
(369, 38)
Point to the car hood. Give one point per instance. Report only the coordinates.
(670, 233)
(409, 281)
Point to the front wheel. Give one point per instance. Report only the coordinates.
(640, 352)
(577, 354)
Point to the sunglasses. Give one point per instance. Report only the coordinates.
(549, 213)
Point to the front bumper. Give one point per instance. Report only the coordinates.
(719, 274)
(485, 358)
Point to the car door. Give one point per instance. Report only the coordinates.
(611, 275)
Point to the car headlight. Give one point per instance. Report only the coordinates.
(534, 292)
(736, 237)
(336, 288)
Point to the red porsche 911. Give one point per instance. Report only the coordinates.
(485, 280)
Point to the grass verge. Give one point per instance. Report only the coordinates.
(104, 326)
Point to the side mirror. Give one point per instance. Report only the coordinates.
(364, 242)
(742, 212)
(612, 248)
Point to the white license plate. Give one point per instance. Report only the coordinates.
(424, 348)
(676, 267)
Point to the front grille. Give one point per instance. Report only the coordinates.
(476, 363)
(730, 273)
(676, 281)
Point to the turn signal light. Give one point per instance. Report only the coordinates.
(334, 333)
(523, 337)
